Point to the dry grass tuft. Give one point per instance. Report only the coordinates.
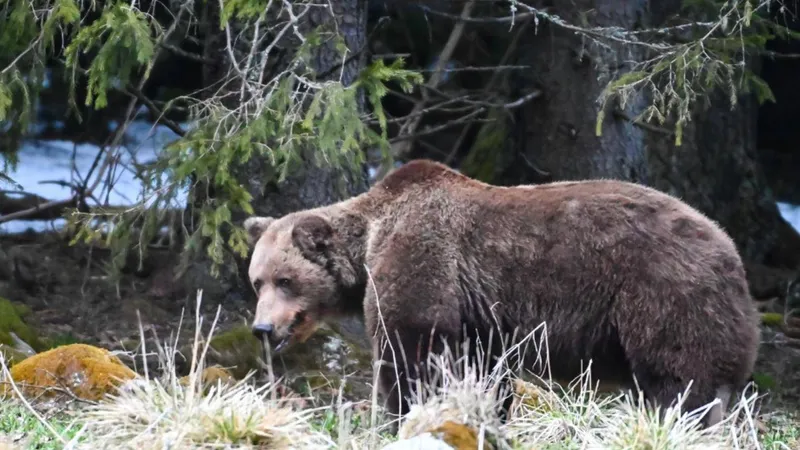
(177, 413)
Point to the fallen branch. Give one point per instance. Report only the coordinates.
(33, 207)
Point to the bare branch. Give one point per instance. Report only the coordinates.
(410, 127)
(481, 20)
(185, 54)
(495, 76)
(433, 130)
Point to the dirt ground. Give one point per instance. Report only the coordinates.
(73, 300)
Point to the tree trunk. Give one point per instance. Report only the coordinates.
(716, 169)
(310, 185)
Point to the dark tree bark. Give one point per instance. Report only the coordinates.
(716, 169)
(311, 184)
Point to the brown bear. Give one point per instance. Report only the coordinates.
(640, 283)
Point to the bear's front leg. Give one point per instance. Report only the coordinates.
(404, 366)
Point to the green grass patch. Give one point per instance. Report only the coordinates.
(21, 428)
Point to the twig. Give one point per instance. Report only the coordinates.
(502, 19)
(778, 55)
(133, 91)
(172, 125)
(534, 167)
(410, 127)
(494, 69)
(439, 128)
(639, 123)
(522, 100)
(187, 55)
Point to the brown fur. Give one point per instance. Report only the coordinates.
(636, 280)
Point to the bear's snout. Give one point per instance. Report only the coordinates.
(268, 335)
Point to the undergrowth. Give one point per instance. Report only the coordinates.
(160, 411)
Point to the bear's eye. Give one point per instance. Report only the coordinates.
(257, 285)
(283, 282)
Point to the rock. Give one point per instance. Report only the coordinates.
(236, 349)
(88, 372)
(321, 361)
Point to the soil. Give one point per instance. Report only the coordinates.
(74, 300)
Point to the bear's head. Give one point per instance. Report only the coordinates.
(302, 271)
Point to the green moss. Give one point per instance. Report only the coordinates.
(11, 320)
(772, 319)
(485, 159)
(236, 349)
(18, 422)
(764, 381)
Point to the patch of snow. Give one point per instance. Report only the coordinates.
(42, 163)
(791, 213)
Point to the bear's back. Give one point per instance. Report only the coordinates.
(435, 194)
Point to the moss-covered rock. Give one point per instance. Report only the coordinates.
(86, 371)
(236, 349)
(319, 362)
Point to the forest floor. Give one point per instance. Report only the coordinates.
(72, 301)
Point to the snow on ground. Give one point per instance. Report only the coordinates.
(791, 213)
(41, 163)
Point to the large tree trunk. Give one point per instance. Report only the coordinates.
(715, 169)
(311, 184)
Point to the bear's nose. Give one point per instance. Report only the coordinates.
(263, 331)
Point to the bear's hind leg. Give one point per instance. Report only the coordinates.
(717, 413)
(663, 390)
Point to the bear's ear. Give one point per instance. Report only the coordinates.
(312, 233)
(255, 227)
